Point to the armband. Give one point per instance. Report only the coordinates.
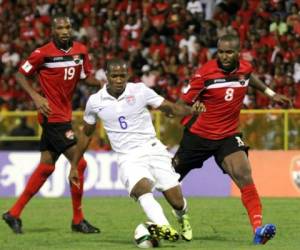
(269, 92)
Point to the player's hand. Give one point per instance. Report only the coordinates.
(282, 99)
(169, 115)
(198, 107)
(73, 177)
(42, 105)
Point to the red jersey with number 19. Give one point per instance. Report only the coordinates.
(222, 93)
(58, 71)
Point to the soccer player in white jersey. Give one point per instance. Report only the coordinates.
(144, 162)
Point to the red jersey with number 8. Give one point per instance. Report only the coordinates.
(222, 93)
(58, 72)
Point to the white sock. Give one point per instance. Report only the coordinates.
(152, 209)
(182, 212)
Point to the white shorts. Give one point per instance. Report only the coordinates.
(151, 161)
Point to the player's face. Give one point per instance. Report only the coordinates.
(62, 30)
(228, 54)
(117, 77)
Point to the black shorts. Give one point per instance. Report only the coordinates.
(57, 137)
(194, 150)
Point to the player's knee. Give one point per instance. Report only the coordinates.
(243, 175)
(142, 187)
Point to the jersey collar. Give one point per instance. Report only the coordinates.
(65, 51)
(228, 72)
(108, 96)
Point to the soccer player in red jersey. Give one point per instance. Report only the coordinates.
(59, 64)
(221, 85)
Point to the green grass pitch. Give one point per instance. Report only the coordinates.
(218, 224)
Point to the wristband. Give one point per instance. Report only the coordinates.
(269, 92)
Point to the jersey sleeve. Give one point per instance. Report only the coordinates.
(90, 115)
(192, 91)
(86, 66)
(151, 97)
(33, 62)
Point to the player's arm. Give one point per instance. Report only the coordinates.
(256, 83)
(40, 102)
(181, 109)
(91, 80)
(84, 139)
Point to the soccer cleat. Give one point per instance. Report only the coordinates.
(186, 229)
(165, 232)
(264, 233)
(85, 227)
(14, 223)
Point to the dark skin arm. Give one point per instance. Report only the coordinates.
(181, 109)
(84, 139)
(256, 83)
(40, 102)
(92, 81)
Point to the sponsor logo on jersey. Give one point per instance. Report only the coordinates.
(76, 59)
(70, 134)
(242, 80)
(295, 172)
(219, 80)
(130, 99)
(58, 58)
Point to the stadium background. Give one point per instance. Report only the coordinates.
(164, 42)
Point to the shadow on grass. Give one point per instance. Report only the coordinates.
(131, 243)
(218, 238)
(40, 230)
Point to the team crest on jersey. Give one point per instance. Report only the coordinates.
(76, 59)
(242, 80)
(70, 134)
(295, 172)
(130, 99)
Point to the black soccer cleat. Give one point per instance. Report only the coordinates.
(14, 223)
(85, 227)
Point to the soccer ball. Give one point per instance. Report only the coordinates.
(142, 237)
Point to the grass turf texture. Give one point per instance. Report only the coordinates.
(218, 223)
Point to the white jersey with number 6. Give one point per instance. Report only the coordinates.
(126, 119)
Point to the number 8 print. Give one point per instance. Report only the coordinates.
(123, 123)
(229, 94)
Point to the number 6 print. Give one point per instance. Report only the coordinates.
(123, 123)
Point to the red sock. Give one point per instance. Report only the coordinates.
(252, 203)
(77, 194)
(36, 180)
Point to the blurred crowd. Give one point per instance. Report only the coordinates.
(163, 41)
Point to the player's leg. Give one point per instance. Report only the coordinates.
(167, 182)
(36, 180)
(237, 165)
(175, 198)
(192, 152)
(79, 224)
(142, 191)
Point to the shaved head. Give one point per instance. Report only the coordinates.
(232, 39)
(57, 17)
(114, 63)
